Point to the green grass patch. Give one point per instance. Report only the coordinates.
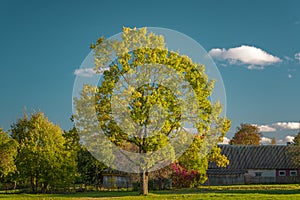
(289, 191)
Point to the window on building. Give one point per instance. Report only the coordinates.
(282, 173)
(258, 174)
(293, 173)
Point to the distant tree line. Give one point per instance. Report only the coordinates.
(37, 156)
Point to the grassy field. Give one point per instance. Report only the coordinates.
(205, 192)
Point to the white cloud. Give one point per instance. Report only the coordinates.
(287, 125)
(265, 128)
(289, 138)
(225, 141)
(88, 72)
(290, 76)
(278, 125)
(297, 56)
(254, 57)
(265, 140)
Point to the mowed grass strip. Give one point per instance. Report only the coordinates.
(289, 191)
(158, 196)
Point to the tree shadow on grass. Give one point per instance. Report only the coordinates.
(221, 190)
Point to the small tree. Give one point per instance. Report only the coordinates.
(72, 146)
(294, 150)
(296, 140)
(273, 141)
(42, 159)
(90, 169)
(246, 134)
(8, 152)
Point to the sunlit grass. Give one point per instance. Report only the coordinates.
(288, 191)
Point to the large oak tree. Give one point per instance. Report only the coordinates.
(154, 113)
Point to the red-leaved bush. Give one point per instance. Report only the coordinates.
(182, 178)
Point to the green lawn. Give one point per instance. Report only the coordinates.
(204, 192)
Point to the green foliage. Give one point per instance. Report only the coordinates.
(297, 140)
(43, 159)
(72, 146)
(141, 48)
(246, 134)
(294, 150)
(192, 160)
(8, 152)
(89, 168)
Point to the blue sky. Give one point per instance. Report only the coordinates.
(44, 42)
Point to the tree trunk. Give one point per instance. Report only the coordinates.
(6, 188)
(96, 179)
(15, 185)
(36, 184)
(160, 183)
(32, 184)
(44, 188)
(144, 183)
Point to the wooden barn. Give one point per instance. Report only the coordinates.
(258, 164)
(113, 179)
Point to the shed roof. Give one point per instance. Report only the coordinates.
(243, 157)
